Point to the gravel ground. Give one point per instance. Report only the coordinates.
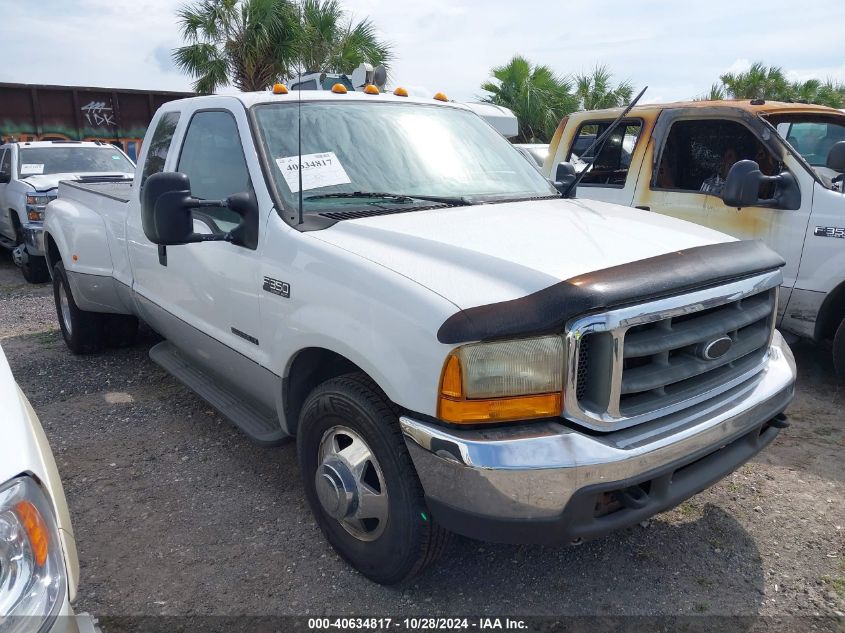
(176, 513)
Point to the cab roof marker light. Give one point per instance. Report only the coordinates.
(339, 89)
(400, 92)
(441, 96)
(280, 89)
(370, 89)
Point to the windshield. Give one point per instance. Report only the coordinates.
(78, 160)
(405, 149)
(812, 136)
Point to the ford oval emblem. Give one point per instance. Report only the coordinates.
(716, 348)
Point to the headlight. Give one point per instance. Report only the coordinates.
(35, 204)
(32, 570)
(502, 381)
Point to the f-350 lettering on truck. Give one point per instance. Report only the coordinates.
(455, 347)
(678, 159)
(29, 174)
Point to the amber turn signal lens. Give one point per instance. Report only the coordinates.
(400, 92)
(339, 89)
(544, 405)
(36, 529)
(280, 89)
(441, 97)
(370, 89)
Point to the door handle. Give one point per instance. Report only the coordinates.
(643, 208)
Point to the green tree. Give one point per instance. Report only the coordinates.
(595, 90)
(535, 94)
(253, 43)
(770, 82)
(331, 42)
(247, 43)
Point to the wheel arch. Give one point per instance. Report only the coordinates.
(51, 251)
(308, 368)
(831, 313)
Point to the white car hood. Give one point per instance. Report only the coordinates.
(483, 254)
(45, 182)
(18, 449)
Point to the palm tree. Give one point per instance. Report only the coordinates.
(248, 43)
(758, 82)
(596, 92)
(538, 97)
(254, 43)
(331, 42)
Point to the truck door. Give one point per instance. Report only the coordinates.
(613, 176)
(695, 149)
(205, 297)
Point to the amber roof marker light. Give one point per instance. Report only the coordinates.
(339, 89)
(370, 89)
(280, 89)
(400, 92)
(441, 96)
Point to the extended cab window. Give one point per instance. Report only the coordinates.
(613, 161)
(213, 160)
(698, 154)
(159, 145)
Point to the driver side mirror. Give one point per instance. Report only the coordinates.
(742, 188)
(565, 175)
(836, 157)
(167, 213)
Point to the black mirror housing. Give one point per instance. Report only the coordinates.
(742, 188)
(565, 175)
(836, 157)
(165, 208)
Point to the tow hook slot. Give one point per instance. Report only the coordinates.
(633, 497)
(779, 421)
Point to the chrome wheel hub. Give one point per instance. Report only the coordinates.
(350, 485)
(64, 306)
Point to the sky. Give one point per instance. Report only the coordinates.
(678, 49)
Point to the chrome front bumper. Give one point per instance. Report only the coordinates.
(540, 482)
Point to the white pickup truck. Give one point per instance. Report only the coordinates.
(455, 347)
(30, 172)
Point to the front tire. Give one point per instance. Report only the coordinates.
(82, 330)
(361, 484)
(35, 270)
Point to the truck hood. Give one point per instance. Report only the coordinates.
(489, 253)
(45, 182)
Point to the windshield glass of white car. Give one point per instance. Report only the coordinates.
(419, 154)
(72, 160)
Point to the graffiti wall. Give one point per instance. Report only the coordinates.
(75, 113)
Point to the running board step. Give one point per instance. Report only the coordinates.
(261, 427)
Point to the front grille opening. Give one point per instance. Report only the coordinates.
(583, 367)
(617, 500)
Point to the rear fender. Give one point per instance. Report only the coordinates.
(80, 238)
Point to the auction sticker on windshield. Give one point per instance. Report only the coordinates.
(318, 170)
(32, 168)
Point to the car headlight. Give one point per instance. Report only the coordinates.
(35, 204)
(33, 580)
(502, 381)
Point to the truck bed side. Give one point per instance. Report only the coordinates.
(85, 227)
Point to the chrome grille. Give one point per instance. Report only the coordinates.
(638, 363)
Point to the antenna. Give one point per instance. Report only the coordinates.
(299, 124)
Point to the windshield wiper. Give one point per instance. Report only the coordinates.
(394, 197)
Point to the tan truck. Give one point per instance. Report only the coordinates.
(752, 169)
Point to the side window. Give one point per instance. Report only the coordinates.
(212, 157)
(5, 165)
(611, 165)
(159, 145)
(698, 154)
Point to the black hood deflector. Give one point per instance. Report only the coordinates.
(549, 309)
